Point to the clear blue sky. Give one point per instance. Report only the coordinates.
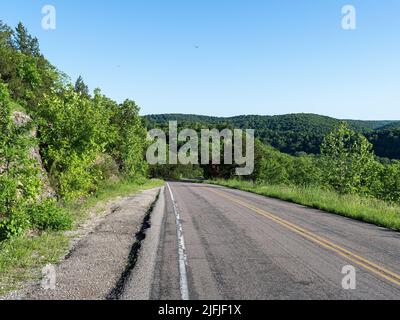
(228, 57)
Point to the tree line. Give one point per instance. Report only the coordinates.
(297, 133)
(346, 163)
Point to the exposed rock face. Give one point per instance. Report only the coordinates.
(21, 119)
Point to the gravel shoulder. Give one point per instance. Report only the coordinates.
(100, 255)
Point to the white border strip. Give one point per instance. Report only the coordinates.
(181, 250)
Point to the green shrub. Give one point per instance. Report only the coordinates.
(14, 224)
(74, 130)
(77, 178)
(49, 216)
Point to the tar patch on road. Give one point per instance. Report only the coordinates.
(117, 291)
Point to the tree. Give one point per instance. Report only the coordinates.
(74, 130)
(272, 167)
(386, 142)
(304, 171)
(349, 162)
(6, 34)
(81, 87)
(24, 42)
(129, 147)
(390, 183)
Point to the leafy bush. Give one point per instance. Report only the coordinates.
(78, 131)
(390, 183)
(76, 178)
(304, 171)
(50, 216)
(348, 161)
(14, 224)
(73, 132)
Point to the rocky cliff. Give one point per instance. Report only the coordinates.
(21, 119)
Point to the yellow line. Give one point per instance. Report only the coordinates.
(378, 270)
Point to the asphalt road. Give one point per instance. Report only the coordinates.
(218, 243)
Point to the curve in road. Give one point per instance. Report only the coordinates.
(239, 245)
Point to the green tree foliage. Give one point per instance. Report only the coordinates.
(83, 139)
(274, 167)
(81, 87)
(347, 165)
(130, 142)
(348, 160)
(48, 215)
(388, 186)
(6, 34)
(305, 171)
(386, 142)
(176, 171)
(74, 131)
(292, 133)
(77, 135)
(24, 42)
(27, 73)
(20, 183)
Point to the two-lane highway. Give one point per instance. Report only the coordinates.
(218, 243)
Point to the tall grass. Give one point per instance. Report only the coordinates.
(365, 209)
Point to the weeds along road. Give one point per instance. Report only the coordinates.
(210, 242)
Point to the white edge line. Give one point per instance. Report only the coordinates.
(181, 250)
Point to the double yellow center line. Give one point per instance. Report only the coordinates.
(366, 264)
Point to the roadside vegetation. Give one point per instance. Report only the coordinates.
(365, 209)
(346, 177)
(63, 149)
(83, 139)
(22, 257)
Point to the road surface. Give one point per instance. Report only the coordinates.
(219, 243)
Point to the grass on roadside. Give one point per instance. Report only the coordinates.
(21, 258)
(365, 209)
(109, 190)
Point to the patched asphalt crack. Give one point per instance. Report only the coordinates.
(118, 290)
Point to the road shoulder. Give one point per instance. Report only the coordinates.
(98, 259)
(140, 282)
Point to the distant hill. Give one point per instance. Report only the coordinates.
(391, 125)
(371, 124)
(291, 133)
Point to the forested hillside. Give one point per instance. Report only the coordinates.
(294, 133)
(84, 138)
